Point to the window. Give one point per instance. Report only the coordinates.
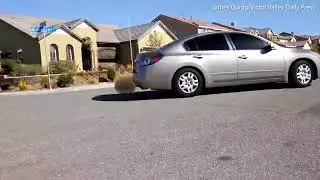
(70, 52)
(54, 53)
(207, 43)
(247, 42)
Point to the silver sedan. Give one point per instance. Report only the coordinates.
(189, 65)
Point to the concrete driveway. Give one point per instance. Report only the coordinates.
(247, 132)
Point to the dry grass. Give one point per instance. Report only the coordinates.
(125, 84)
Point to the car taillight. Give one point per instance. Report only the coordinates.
(151, 59)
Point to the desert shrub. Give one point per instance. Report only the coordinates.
(111, 74)
(10, 66)
(63, 66)
(103, 77)
(121, 69)
(129, 68)
(125, 84)
(93, 81)
(65, 80)
(44, 82)
(23, 86)
(29, 69)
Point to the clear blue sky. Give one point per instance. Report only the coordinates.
(303, 20)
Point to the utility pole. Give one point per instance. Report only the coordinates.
(130, 42)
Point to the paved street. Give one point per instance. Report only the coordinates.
(248, 132)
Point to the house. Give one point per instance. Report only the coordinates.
(285, 39)
(182, 27)
(139, 39)
(264, 32)
(315, 40)
(39, 48)
(299, 44)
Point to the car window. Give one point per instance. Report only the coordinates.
(207, 43)
(247, 42)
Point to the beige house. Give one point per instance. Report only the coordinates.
(39, 48)
(264, 32)
(140, 39)
(299, 44)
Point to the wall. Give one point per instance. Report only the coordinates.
(307, 46)
(12, 39)
(123, 54)
(84, 30)
(179, 28)
(61, 39)
(166, 38)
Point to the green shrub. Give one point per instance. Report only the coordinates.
(23, 86)
(44, 82)
(10, 66)
(111, 74)
(65, 80)
(121, 69)
(29, 69)
(64, 66)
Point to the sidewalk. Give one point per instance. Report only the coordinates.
(59, 90)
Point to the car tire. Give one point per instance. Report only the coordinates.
(301, 74)
(188, 82)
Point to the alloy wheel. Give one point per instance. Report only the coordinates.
(188, 82)
(304, 74)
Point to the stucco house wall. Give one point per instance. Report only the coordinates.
(12, 39)
(307, 46)
(84, 30)
(60, 38)
(165, 37)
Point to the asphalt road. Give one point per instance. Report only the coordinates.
(248, 132)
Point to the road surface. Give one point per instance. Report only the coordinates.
(246, 132)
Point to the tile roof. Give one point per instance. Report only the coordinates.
(261, 31)
(25, 23)
(296, 44)
(205, 24)
(106, 33)
(138, 31)
(284, 37)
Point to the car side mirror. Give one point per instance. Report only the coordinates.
(269, 47)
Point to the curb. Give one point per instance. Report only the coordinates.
(59, 90)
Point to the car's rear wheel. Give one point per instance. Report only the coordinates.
(301, 74)
(188, 82)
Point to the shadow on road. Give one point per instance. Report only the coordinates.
(151, 95)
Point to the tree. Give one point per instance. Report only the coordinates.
(86, 43)
(154, 40)
(316, 48)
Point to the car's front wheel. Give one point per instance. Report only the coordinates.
(188, 82)
(301, 74)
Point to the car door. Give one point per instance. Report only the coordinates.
(214, 54)
(257, 60)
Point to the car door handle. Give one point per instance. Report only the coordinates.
(243, 57)
(197, 56)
